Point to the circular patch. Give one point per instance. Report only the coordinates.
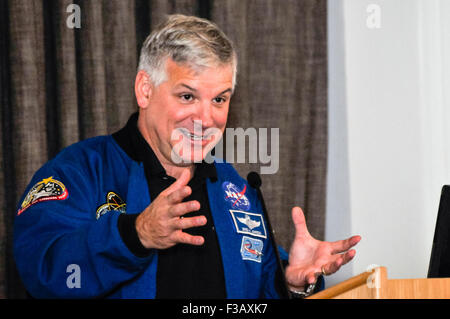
(236, 196)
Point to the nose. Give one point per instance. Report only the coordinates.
(204, 114)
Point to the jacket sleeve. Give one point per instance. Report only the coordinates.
(60, 248)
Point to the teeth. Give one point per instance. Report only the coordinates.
(194, 136)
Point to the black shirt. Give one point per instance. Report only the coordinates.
(184, 271)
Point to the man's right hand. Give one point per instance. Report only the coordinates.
(161, 224)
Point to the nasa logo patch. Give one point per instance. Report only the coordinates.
(251, 249)
(236, 196)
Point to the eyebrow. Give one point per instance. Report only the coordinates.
(195, 90)
(226, 91)
(187, 86)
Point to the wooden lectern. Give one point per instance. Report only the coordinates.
(376, 285)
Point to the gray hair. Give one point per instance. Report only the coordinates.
(188, 40)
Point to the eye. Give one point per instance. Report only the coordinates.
(219, 100)
(186, 97)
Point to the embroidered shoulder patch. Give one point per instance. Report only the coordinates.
(113, 202)
(45, 190)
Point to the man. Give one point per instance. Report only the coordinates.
(139, 215)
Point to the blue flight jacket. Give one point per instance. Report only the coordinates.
(65, 248)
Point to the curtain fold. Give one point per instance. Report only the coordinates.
(91, 71)
(60, 85)
(66, 95)
(120, 61)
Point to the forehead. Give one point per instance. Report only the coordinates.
(216, 76)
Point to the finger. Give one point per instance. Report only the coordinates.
(183, 180)
(184, 238)
(331, 268)
(344, 245)
(335, 266)
(299, 221)
(189, 222)
(338, 262)
(178, 195)
(348, 256)
(181, 209)
(312, 277)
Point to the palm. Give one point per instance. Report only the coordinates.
(310, 257)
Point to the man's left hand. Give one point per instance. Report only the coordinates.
(310, 258)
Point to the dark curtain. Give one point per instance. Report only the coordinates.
(60, 85)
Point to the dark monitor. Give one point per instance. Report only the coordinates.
(440, 252)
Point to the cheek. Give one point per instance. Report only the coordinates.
(167, 111)
(179, 115)
(220, 118)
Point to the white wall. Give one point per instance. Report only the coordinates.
(388, 138)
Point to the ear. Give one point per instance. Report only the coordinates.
(143, 88)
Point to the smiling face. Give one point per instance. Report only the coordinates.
(182, 118)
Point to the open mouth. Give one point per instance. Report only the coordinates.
(193, 145)
(196, 137)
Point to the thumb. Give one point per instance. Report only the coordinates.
(299, 222)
